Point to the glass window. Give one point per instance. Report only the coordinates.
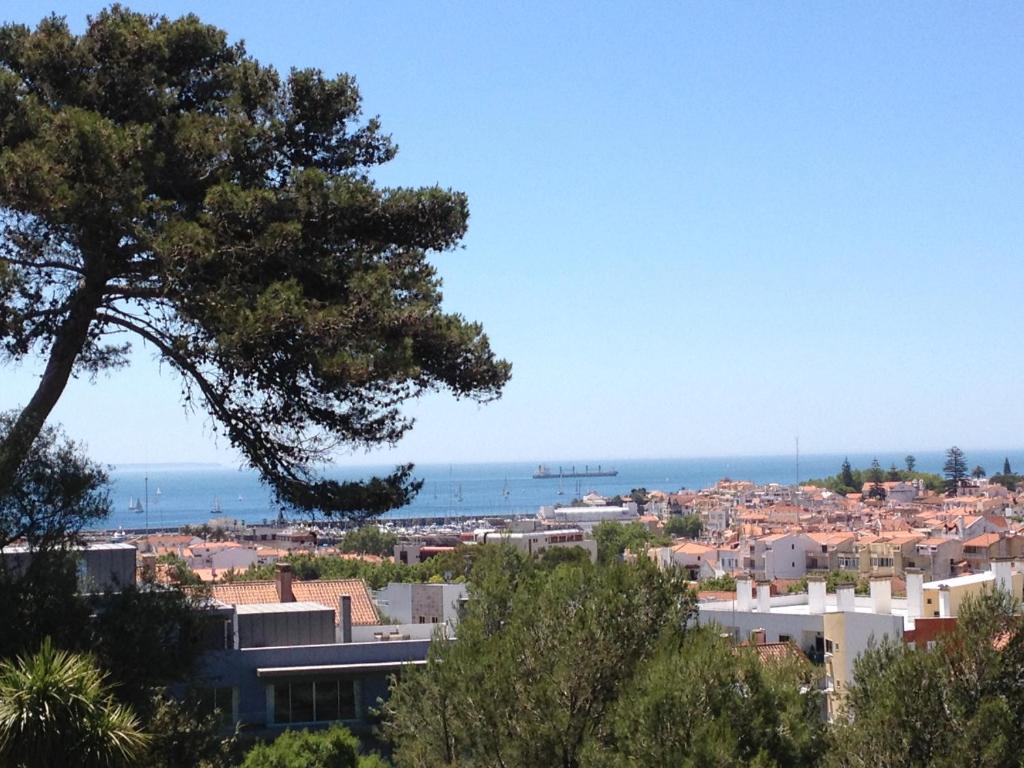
(327, 700)
(314, 701)
(302, 703)
(282, 703)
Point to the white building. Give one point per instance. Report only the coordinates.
(536, 542)
(421, 603)
(587, 517)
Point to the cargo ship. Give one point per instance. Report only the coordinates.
(546, 473)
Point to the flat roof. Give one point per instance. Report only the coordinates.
(282, 608)
(861, 604)
(961, 581)
(92, 546)
(318, 669)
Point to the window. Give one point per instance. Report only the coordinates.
(783, 638)
(314, 701)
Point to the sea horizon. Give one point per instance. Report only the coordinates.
(172, 495)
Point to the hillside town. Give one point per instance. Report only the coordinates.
(794, 570)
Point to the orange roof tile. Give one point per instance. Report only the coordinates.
(984, 540)
(324, 591)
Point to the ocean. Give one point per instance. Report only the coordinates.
(192, 495)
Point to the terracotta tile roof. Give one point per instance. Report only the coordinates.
(323, 591)
(984, 540)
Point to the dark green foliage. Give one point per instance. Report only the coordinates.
(552, 557)
(705, 704)
(615, 539)
(910, 461)
(1006, 466)
(157, 181)
(875, 475)
(955, 469)
(685, 526)
(856, 479)
(846, 477)
(1010, 482)
(832, 580)
(724, 583)
(369, 540)
(960, 704)
(456, 564)
(591, 666)
(55, 493)
(978, 472)
(893, 475)
(182, 736)
(147, 639)
(334, 747)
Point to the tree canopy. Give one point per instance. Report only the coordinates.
(158, 184)
(593, 665)
(958, 704)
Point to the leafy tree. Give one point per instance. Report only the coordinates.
(960, 704)
(615, 539)
(1010, 482)
(832, 580)
(159, 184)
(552, 557)
(705, 704)
(1006, 466)
(56, 709)
(910, 461)
(877, 490)
(724, 583)
(978, 472)
(334, 747)
(147, 638)
(638, 496)
(686, 526)
(369, 540)
(846, 475)
(541, 660)
(893, 475)
(955, 469)
(183, 736)
(54, 494)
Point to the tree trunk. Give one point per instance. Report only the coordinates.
(67, 345)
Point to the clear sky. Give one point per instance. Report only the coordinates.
(697, 228)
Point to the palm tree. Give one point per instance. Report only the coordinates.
(55, 709)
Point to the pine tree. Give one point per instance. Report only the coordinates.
(1006, 466)
(877, 491)
(846, 475)
(955, 469)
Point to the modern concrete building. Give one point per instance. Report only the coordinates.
(101, 567)
(536, 542)
(835, 629)
(421, 603)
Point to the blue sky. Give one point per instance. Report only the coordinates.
(697, 229)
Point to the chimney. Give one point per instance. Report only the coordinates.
(881, 595)
(816, 595)
(1002, 567)
(844, 598)
(759, 636)
(744, 593)
(764, 593)
(345, 618)
(915, 592)
(945, 605)
(284, 583)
